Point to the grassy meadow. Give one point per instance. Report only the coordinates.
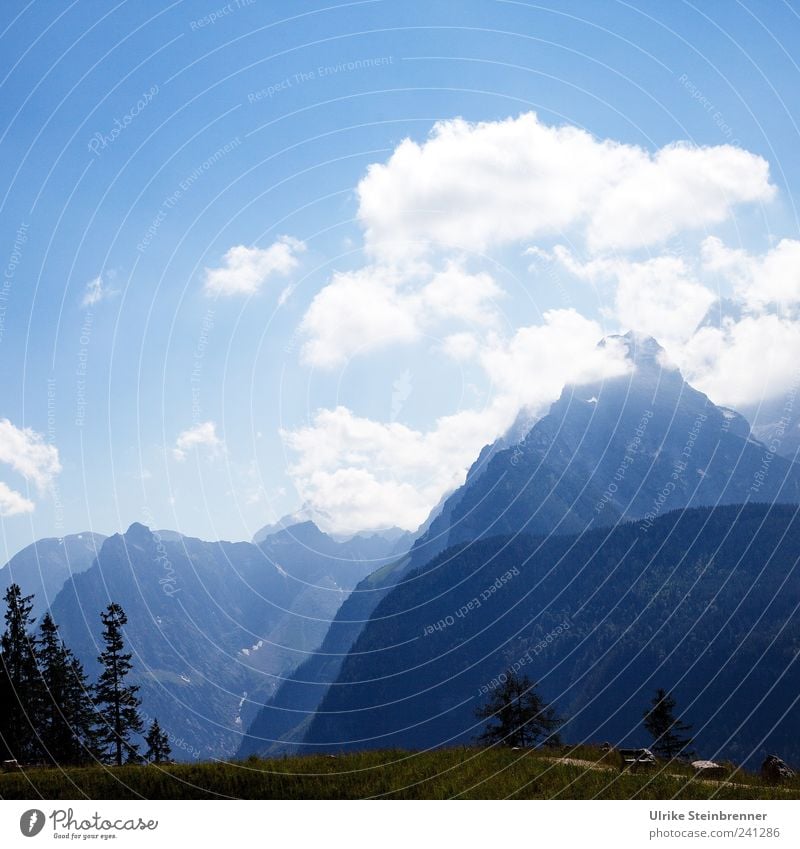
(459, 773)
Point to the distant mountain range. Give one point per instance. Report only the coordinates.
(213, 625)
(703, 602)
(631, 538)
(625, 448)
(281, 724)
(43, 567)
(635, 447)
(776, 423)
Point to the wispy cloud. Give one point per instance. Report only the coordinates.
(245, 270)
(358, 473)
(202, 436)
(13, 503)
(96, 290)
(473, 188)
(477, 186)
(27, 453)
(376, 306)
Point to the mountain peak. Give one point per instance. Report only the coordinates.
(626, 447)
(299, 517)
(305, 533)
(641, 349)
(138, 532)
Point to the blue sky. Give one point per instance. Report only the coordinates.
(144, 143)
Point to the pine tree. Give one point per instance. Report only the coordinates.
(116, 700)
(67, 720)
(20, 691)
(158, 748)
(517, 715)
(668, 732)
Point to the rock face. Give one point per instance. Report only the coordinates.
(776, 423)
(599, 621)
(213, 625)
(630, 447)
(279, 726)
(633, 447)
(708, 769)
(775, 770)
(42, 568)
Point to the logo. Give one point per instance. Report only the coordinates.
(31, 822)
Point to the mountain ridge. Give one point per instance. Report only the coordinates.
(600, 620)
(213, 625)
(43, 567)
(604, 453)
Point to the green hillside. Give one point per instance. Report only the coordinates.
(463, 773)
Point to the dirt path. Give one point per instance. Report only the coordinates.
(587, 764)
(605, 768)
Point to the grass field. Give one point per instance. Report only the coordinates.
(464, 773)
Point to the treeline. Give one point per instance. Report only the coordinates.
(519, 718)
(49, 711)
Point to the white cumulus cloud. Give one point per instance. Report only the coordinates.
(356, 312)
(660, 296)
(357, 473)
(771, 278)
(529, 370)
(474, 186)
(201, 436)
(461, 346)
(743, 362)
(376, 306)
(27, 453)
(471, 188)
(13, 503)
(245, 270)
(30, 456)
